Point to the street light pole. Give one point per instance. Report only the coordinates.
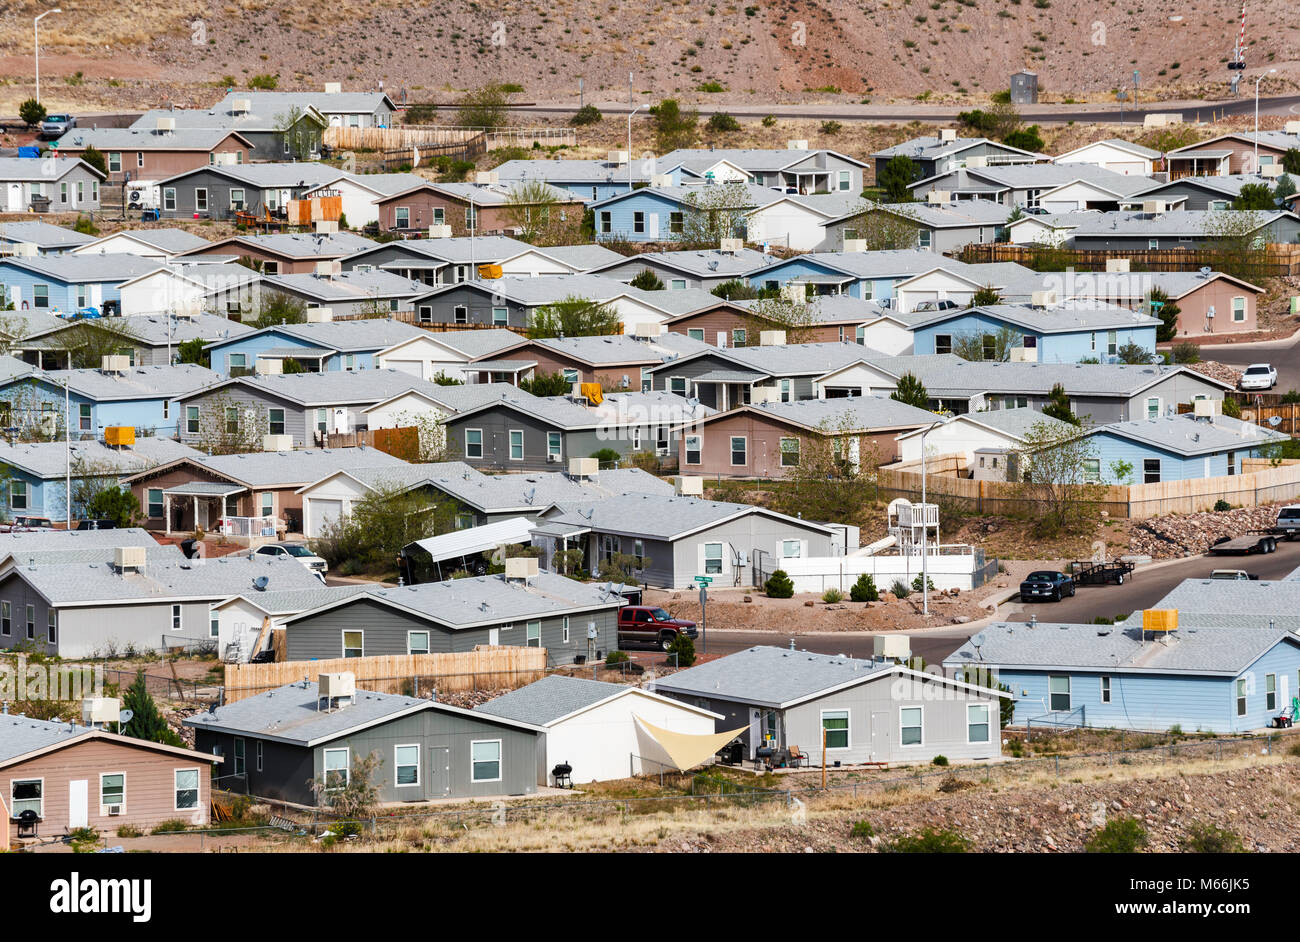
(36, 37)
(629, 144)
(925, 526)
(1259, 78)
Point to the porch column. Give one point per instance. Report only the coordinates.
(196, 511)
(167, 514)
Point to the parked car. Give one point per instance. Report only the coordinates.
(21, 523)
(648, 624)
(297, 551)
(1045, 584)
(56, 125)
(1288, 521)
(1258, 376)
(1232, 575)
(943, 305)
(102, 524)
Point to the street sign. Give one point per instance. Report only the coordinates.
(704, 580)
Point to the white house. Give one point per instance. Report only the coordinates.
(887, 334)
(1114, 155)
(449, 353)
(939, 284)
(360, 192)
(607, 731)
(966, 434)
(241, 625)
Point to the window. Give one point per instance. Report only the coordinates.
(27, 795)
(169, 198)
(1270, 691)
(214, 623)
(789, 452)
(791, 549)
(186, 782)
(846, 180)
(516, 444)
(977, 722)
(417, 642)
(353, 643)
(738, 449)
(1031, 197)
(1112, 343)
(676, 223)
(533, 634)
(237, 361)
(81, 191)
(464, 521)
(695, 333)
(571, 376)
(500, 316)
(1238, 310)
(565, 630)
(276, 421)
(1153, 244)
(176, 617)
(460, 314)
(6, 619)
(1058, 693)
(112, 789)
(606, 221)
(85, 420)
(114, 162)
(240, 766)
(52, 626)
(553, 442)
(786, 390)
(1015, 402)
(192, 420)
(237, 201)
(17, 496)
(31, 622)
(40, 295)
(471, 217)
(63, 192)
(692, 450)
(738, 337)
(835, 728)
(1241, 696)
(638, 223)
(232, 420)
(1151, 471)
(485, 760)
(401, 217)
(82, 294)
(712, 558)
(910, 724)
(336, 768)
(923, 239)
(1153, 407)
(1092, 470)
(439, 216)
(677, 385)
(473, 443)
(1105, 689)
(200, 199)
(406, 766)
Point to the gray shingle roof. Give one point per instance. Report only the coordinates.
(1068, 316)
(20, 735)
(325, 102)
(1015, 423)
(945, 374)
(348, 336)
(477, 343)
(547, 289)
(532, 492)
(1187, 435)
(859, 412)
(1021, 176)
(581, 258)
(459, 250)
(305, 245)
(931, 148)
(955, 215)
(706, 263)
(299, 600)
(75, 269)
(167, 240)
(752, 159)
(43, 235)
(138, 382)
(1116, 649)
(345, 386)
(48, 459)
(1202, 223)
(21, 543)
(657, 517)
(283, 468)
(39, 169)
(122, 139)
(546, 700)
(769, 676)
(385, 184)
(349, 286)
(487, 194)
(1260, 598)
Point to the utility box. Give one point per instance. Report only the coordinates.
(1024, 88)
(892, 646)
(97, 712)
(690, 485)
(339, 684)
(119, 435)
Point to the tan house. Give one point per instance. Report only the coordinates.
(1230, 154)
(732, 324)
(69, 776)
(138, 154)
(490, 209)
(283, 253)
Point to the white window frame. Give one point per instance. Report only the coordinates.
(410, 648)
(731, 450)
(1069, 693)
(510, 440)
(698, 449)
(1241, 695)
(343, 642)
(1105, 688)
(1270, 692)
(200, 199)
(558, 449)
(480, 442)
(848, 729)
(257, 752)
(798, 546)
(103, 805)
(988, 723)
(198, 789)
(239, 756)
(1235, 318)
(565, 637)
(473, 763)
(919, 725)
(397, 765)
(178, 617)
(325, 767)
(707, 559)
(529, 636)
(26, 781)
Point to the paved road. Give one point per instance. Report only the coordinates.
(1283, 354)
(933, 645)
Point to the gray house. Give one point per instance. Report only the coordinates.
(218, 192)
(70, 184)
(359, 291)
(571, 620)
(274, 128)
(796, 169)
(678, 538)
(935, 155)
(47, 239)
(1187, 229)
(866, 711)
(706, 268)
(1202, 193)
(1055, 187)
(281, 741)
(941, 227)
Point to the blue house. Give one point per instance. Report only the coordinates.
(1066, 333)
(67, 283)
(319, 347)
(1166, 447)
(140, 397)
(589, 180)
(37, 472)
(1209, 679)
(654, 214)
(870, 276)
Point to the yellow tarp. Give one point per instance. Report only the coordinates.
(591, 392)
(684, 751)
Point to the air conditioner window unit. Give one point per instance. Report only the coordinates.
(113, 810)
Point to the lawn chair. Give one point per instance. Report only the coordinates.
(797, 758)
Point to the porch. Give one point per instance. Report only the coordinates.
(212, 507)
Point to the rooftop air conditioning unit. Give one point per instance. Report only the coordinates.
(892, 646)
(1270, 170)
(268, 366)
(1207, 408)
(584, 467)
(333, 88)
(129, 557)
(337, 684)
(1154, 207)
(521, 567)
(97, 711)
(796, 145)
(166, 124)
(855, 245)
(115, 363)
(1292, 127)
(976, 161)
(442, 231)
(327, 226)
(1024, 354)
(651, 329)
(241, 105)
(486, 177)
(734, 246)
(617, 157)
(948, 134)
(689, 485)
(661, 180)
(1117, 266)
(771, 338)
(1042, 299)
(327, 267)
(277, 443)
(938, 197)
(794, 292)
(25, 249)
(761, 394)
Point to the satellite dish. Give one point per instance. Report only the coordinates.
(978, 639)
(126, 716)
(1275, 420)
(261, 582)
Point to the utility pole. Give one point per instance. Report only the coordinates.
(67, 452)
(36, 36)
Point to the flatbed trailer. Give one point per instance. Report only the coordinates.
(1086, 572)
(1257, 541)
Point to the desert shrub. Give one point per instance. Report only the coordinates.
(900, 589)
(1119, 836)
(723, 122)
(864, 590)
(831, 596)
(606, 456)
(1231, 407)
(616, 657)
(587, 114)
(1221, 505)
(916, 584)
(170, 826)
(863, 830)
(779, 586)
(129, 830)
(1206, 838)
(684, 648)
(939, 760)
(928, 841)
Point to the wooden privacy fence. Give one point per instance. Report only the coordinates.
(1266, 485)
(401, 443)
(484, 668)
(1276, 259)
(1271, 407)
(441, 135)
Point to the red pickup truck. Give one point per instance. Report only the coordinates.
(646, 624)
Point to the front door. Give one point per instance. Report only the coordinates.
(880, 727)
(340, 421)
(16, 198)
(494, 636)
(78, 804)
(201, 512)
(439, 772)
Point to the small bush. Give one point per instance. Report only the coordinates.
(900, 589)
(862, 830)
(831, 127)
(1186, 352)
(831, 596)
(606, 456)
(587, 114)
(1221, 505)
(129, 830)
(1206, 838)
(928, 841)
(616, 657)
(952, 783)
(939, 760)
(684, 648)
(916, 584)
(864, 590)
(170, 826)
(779, 586)
(711, 87)
(723, 122)
(264, 82)
(769, 121)
(1119, 836)
(1231, 407)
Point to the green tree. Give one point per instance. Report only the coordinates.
(911, 391)
(147, 721)
(574, 317)
(1053, 466)
(93, 156)
(927, 841)
(830, 474)
(673, 126)
(864, 590)
(1161, 306)
(647, 280)
(1186, 352)
(1237, 241)
(535, 210)
(1058, 406)
(1285, 187)
(712, 213)
(587, 114)
(796, 318)
(779, 586)
(31, 112)
(389, 517)
(483, 108)
(683, 649)
(1291, 160)
(990, 345)
(1254, 197)
(546, 384)
(1025, 139)
(985, 296)
(722, 122)
(353, 797)
(738, 290)
(899, 173)
(117, 504)
(298, 133)
(191, 351)
(279, 308)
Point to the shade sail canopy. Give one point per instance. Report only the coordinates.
(680, 751)
(474, 540)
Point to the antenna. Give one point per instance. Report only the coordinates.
(261, 582)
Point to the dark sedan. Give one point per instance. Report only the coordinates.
(1045, 584)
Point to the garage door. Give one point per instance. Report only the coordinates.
(413, 367)
(321, 511)
(1135, 168)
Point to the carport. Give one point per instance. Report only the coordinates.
(423, 560)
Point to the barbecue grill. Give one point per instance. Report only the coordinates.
(563, 775)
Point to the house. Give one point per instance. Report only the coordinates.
(1230, 153)
(569, 619)
(471, 208)
(36, 472)
(1201, 193)
(450, 354)
(68, 283)
(942, 226)
(316, 346)
(863, 711)
(675, 538)
(589, 180)
(74, 608)
(147, 340)
(74, 776)
(1187, 229)
(283, 253)
(221, 191)
(70, 185)
(362, 291)
(445, 261)
(515, 431)
(271, 129)
(43, 238)
(1114, 155)
(284, 740)
(1051, 229)
(197, 491)
(242, 624)
(950, 281)
(1171, 447)
(372, 109)
(1257, 603)
(42, 402)
(820, 319)
(768, 440)
(706, 268)
(1066, 332)
(995, 432)
(1053, 187)
(616, 362)
(155, 152)
(1199, 679)
(932, 156)
(603, 731)
(796, 169)
(226, 291)
(162, 244)
(361, 191)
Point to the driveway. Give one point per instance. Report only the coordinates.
(1283, 354)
